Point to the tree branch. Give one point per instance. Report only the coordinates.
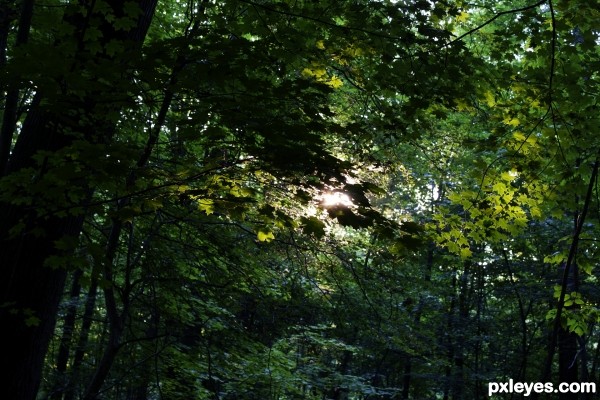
(565, 278)
(495, 17)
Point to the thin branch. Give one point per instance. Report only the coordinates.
(323, 22)
(553, 59)
(495, 17)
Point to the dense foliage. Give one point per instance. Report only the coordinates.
(297, 199)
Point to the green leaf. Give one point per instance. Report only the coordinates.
(206, 205)
(313, 226)
(31, 319)
(264, 236)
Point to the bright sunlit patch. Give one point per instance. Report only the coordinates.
(332, 199)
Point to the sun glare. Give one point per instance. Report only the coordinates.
(332, 199)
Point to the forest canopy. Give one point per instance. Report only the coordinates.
(296, 199)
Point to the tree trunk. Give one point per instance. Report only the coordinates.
(461, 326)
(9, 118)
(31, 294)
(31, 288)
(567, 362)
(567, 275)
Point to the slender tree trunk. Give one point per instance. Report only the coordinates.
(116, 319)
(7, 16)
(463, 312)
(448, 341)
(66, 340)
(547, 368)
(567, 362)
(64, 348)
(567, 341)
(407, 375)
(584, 372)
(9, 118)
(138, 388)
(595, 362)
(480, 285)
(106, 362)
(86, 325)
(522, 319)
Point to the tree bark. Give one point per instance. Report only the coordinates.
(31, 289)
